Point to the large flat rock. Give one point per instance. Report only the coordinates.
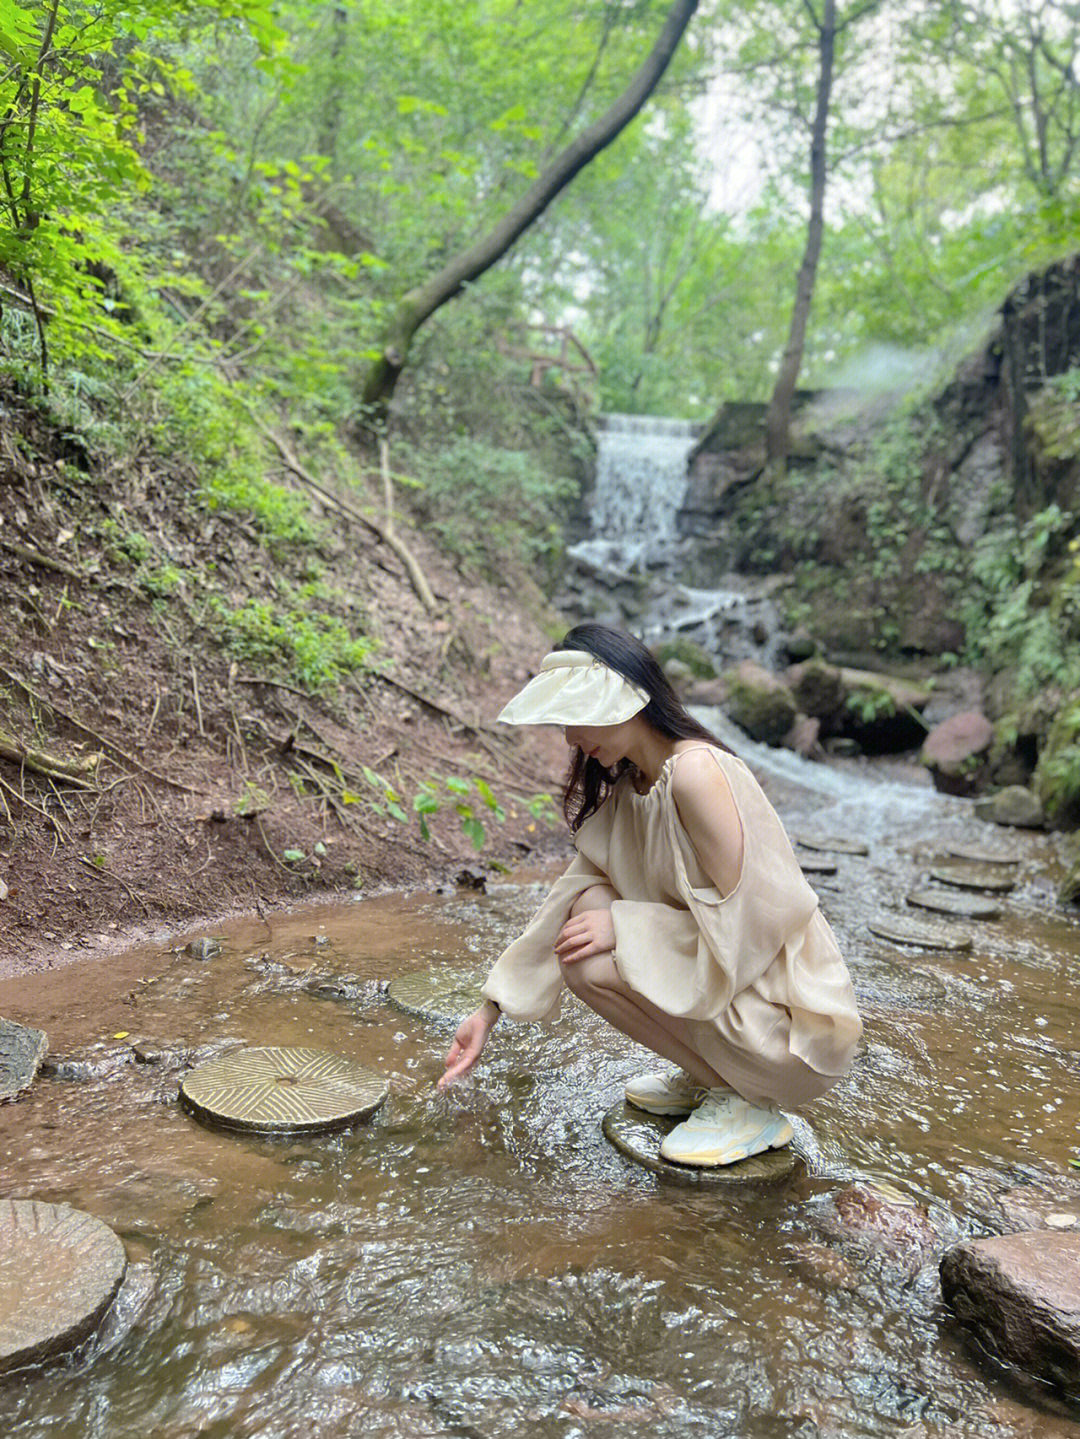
(21, 1051)
(275, 1090)
(1020, 1295)
(60, 1271)
(638, 1135)
(443, 995)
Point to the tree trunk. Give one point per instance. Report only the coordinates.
(778, 418)
(422, 302)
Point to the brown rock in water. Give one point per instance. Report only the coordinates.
(882, 1224)
(1020, 1295)
(956, 750)
(804, 737)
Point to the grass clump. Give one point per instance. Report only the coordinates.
(313, 648)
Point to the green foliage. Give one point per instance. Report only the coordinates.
(1057, 775)
(1023, 612)
(688, 653)
(497, 512)
(314, 649)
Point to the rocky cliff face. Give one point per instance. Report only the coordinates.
(881, 518)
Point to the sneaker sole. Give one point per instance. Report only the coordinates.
(708, 1159)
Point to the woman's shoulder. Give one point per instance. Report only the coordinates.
(699, 778)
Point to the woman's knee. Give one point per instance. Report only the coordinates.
(597, 896)
(585, 976)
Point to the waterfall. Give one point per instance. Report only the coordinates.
(624, 571)
(640, 484)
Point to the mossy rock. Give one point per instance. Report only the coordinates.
(1057, 774)
(760, 704)
(1069, 888)
(686, 652)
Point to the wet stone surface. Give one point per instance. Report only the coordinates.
(943, 901)
(638, 1136)
(813, 864)
(832, 843)
(275, 1090)
(902, 930)
(205, 948)
(996, 879)
(60, 1270)
(1020, 1296)
(443, 995)
(21, 1051)
(976, 853)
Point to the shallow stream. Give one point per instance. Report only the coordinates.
(483, 1263)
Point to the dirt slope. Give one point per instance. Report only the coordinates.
(210, 781)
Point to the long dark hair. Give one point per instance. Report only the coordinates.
(588, 783)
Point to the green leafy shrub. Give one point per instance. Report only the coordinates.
(497, 512)
(315, 649)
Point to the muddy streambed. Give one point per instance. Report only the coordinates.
(483, 1263)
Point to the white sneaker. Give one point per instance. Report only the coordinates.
(724, 1129)
(677, 1093)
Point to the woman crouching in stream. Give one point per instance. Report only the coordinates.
(684, 921)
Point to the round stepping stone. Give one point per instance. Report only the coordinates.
(982, 854)
(897, 986)
(60, 1271)
(21, 1051)
(902, 930)
(837, 844)
(971, 878)
(967, 906)
(444, 995)
(638, 1136)
(811, 864)
(268, 1090)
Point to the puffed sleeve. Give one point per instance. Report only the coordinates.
(526, 980)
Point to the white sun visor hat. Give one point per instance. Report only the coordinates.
(575, 688)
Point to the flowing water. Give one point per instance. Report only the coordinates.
(622, 572)
(483, 1263)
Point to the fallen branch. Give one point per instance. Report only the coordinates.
(85, 729)
(384, 533)
(35, 557)
(74, 772)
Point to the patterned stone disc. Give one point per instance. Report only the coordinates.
(836, 844)
(282, 1091)
(21, 1051)
(983, 854)
(444, 995)
(967, 906)
(639, 1135)
(60, 1271)
(811, 864)
(902, 930)
(970, 877)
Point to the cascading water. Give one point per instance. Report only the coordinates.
(625, 571)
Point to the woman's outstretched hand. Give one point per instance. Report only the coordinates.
(468, 1043)
(586, 934)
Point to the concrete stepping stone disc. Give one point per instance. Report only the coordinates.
(811, 864)
(902, 930)
(970, 877)
(269, 1090)
(60, 1271)
(638, 1136)
(21, 1051)
(967, 906)
(836, 844)
(444, 995)
(982, 854)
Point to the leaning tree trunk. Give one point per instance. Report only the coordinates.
(421, 303)
(778, 418)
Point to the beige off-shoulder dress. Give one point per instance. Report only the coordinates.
(756, 973)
